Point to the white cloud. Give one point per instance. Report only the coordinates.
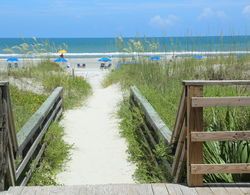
(246, 10)
(163, 22)
(211, 13)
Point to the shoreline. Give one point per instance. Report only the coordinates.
(123, 54)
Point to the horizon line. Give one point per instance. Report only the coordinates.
(125, 37)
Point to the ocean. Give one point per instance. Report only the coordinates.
(110, 45)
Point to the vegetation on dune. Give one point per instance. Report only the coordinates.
(25, 103)
(56, 153)
(52, 75)
(161, 84)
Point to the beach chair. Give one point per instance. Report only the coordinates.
(109, 66)
(102, 65)
(16, 65)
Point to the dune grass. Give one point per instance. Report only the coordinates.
(161, 83)
(52, 75)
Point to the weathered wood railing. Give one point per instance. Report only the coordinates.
(187, 137)
(154, 127)
(26, 146)
(194, 127)
(8, 141)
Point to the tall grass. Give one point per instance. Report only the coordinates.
(51, 75)
(161, 83)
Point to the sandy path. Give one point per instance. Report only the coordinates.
(99, 155)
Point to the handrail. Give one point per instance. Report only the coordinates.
(32, 125)
(215, 82)
(188, 136)
(34, 130)
(196, 137)
(154, 127)
(152, 116)
(29, 145)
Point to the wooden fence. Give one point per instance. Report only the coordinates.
(21, 152)
(187, 137)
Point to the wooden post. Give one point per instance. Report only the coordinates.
(194, 123)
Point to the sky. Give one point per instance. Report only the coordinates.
(130, 18)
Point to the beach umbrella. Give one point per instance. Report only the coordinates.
(198, 57)
(12, 59)
(62, 51)
(104, 59)
(58, 60)
(155, 58)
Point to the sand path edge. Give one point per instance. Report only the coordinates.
(99, 155)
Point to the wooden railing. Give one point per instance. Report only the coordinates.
(187, 137)
(8, 141)
(153, 129)
(26, 147)
(188, 132)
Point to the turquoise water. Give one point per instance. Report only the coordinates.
(166, 44)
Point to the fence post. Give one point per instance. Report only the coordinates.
(8, 142)
(194, 123)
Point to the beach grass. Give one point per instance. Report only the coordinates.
(161, 84)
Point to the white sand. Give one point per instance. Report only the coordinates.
(99, 155)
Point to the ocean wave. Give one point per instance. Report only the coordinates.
(125, 54)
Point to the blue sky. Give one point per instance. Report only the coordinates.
(111, 18)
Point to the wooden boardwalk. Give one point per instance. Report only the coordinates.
(128, 189)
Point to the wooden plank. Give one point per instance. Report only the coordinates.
(10, 175)
(30, 128)
(147, 146)
(151, 138)
(12, 129)
(245, 190)
(151, 115)
(204, 191)
(4, 83)
(174, 189)
(218, 190)
(62, 190)
(194, 123)
(118, 189)
(220, 101)
(180, 168)
(187, 190)
(15, 190)
(180, 117)
(35, 162)
(220, 168)
(37, 141)
(234, 191)
(220, 136)
(216, 82)
(159, 189)
(179, 149)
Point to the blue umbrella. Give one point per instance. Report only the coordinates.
(60, 60)
(104, 59)
(198, 57)
(12, 59)
(155, 58)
